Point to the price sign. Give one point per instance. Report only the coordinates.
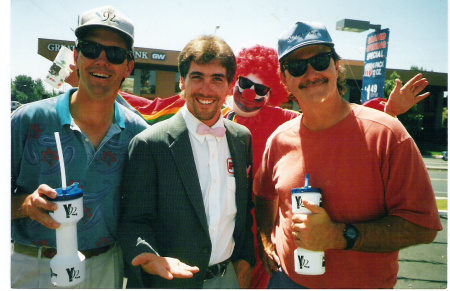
(375, 65)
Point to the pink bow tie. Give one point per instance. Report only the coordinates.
(204, 129)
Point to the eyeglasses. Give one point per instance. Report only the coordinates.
(298, 68)
(260, 89)
(114, 54)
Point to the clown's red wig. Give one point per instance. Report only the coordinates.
(263, 62)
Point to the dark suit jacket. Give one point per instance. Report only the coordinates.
(162, 201)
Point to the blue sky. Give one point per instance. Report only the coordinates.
(418, 28)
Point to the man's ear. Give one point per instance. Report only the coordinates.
(130, 67)
(182, 84)
(337, 67)
(75, 56)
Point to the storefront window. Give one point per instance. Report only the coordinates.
(148, 81)
(146, 86)
(128, 85)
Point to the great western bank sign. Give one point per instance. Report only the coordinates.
(49, 48)
(375, 65)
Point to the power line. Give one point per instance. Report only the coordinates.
(51, 15)
(69, 11)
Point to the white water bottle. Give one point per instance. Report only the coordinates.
(68, 266)
(307, 262)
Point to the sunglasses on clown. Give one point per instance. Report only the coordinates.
(114, 54)
(260, 89)
(298, 67)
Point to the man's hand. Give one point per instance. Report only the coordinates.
(403, 98)
(316, 231)
(72, 79)
(166, 267)
(266, 213)
(36, 207)
(244, 273)
(268, 255)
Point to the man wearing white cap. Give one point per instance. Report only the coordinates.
(377, 196)
(95, 132)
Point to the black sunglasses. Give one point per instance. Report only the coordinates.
(260, 89)
(114, 54)
(298, 67)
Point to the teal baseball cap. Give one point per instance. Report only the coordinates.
(303, 34)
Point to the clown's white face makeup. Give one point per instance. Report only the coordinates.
(247, 100)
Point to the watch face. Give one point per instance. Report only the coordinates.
(351, 232)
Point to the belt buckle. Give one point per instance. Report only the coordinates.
(223, 269)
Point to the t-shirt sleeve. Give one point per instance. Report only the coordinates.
(409, 192)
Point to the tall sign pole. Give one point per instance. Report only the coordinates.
(375, 65)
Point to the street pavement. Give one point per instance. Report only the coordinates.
(425, 266)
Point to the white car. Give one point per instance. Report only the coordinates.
(15, 105)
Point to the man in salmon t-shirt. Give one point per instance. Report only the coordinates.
(377, 196)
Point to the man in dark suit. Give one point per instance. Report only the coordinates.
(186, 220)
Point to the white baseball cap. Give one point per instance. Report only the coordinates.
(106, 16)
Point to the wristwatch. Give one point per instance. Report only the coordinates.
(351, 234)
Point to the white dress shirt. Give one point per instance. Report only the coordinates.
(216, 175)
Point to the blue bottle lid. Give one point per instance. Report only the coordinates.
(72, 192)
(307, 188)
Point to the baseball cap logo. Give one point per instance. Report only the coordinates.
(304, 35)
(107, 16)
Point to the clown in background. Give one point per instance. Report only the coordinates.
(257, 95)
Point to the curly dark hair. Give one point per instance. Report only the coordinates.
(341, 80)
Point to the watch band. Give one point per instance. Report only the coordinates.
(351, 234)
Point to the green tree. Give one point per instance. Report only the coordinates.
(24, 89)
(39, 89)
(445, 117)
(412, 120)
(389, 84)
(419, 69)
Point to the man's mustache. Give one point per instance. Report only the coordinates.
(314, 82)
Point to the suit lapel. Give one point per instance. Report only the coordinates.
(236, 145)
(181, 149)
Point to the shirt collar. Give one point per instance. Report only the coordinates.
(192, 124)
(63, 110)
